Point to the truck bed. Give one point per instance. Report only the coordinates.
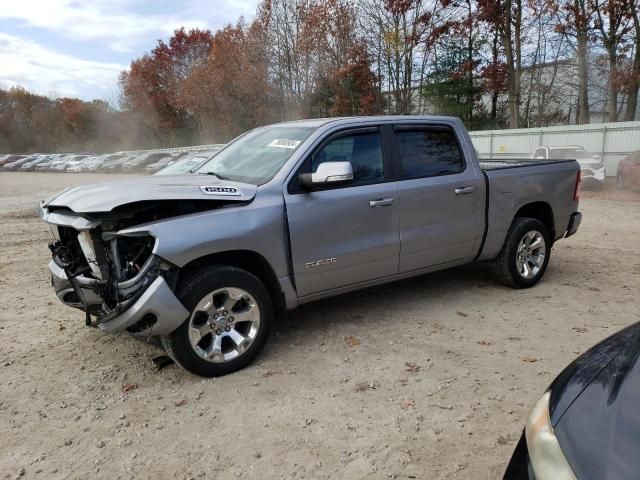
(495, 164)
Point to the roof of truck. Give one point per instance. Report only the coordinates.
(318, 122)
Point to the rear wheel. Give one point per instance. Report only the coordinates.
(525, 255)
(231, 315)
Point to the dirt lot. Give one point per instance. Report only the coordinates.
(426, 378)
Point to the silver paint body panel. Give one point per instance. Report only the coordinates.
(427, 226)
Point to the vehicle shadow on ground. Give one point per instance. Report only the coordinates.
(357, 307)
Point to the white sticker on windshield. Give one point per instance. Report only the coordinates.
(284, 143)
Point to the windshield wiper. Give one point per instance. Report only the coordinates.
(220, 176)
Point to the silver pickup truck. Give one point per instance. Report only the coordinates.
(290, 213)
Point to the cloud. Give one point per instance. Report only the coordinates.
(30, 65)
(124, 25)
(107, 31)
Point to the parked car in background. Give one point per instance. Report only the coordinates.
(31, 165)
(592, 169)
(115, 165)
(62, 164)
(188, 163)
(94, 163)
(138, 163)
(587, 425)
(159, 256)
(10, 159)
(629, 171)
(77, 163)
(16, 164)
(159, 165)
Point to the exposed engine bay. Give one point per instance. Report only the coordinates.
(109, 269)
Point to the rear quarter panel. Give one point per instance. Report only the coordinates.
(512, 188)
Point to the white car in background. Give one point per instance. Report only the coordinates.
(78, 164)
(591, 167)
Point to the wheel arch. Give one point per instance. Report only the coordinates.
(541, 211)
(248, 260)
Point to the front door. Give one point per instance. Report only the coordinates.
(348, 234)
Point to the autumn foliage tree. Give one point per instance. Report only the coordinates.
(153, 86)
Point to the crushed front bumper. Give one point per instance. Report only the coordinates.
(154, 311)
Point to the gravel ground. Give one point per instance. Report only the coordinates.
(426, 378)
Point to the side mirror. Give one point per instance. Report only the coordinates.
(327, 174)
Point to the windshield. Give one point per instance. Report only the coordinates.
(570, 153)
(258, 155)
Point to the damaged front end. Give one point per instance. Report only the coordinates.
(111, 276)
(104, 260)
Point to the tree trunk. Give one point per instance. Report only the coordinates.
(513, 81)
(584, 116)
(632, 99)
(613, 90)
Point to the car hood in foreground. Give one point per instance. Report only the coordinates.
(104, 197)
(595, 409)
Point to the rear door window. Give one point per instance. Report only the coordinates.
(428, 152)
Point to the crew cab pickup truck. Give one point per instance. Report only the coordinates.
(293, 212)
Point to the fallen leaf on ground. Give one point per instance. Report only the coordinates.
(580, 329)
(352, 341)
(127, 387)
(364, 386)
(594, 289)
(407, 402)
(269, 373)
(462, 314)
(484, 343)
(502, 440)
(529, 359)
(412, 367)
(180, 403)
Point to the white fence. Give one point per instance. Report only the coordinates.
(612, 141)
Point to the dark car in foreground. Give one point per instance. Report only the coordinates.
(629, 171)
(587, 425)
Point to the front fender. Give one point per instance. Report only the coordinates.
(258, 226)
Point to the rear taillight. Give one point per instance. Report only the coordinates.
(576, 190)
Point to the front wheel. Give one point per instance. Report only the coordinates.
(525, 255)
(230, 317)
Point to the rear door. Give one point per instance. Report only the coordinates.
(439, 203)
(348, 234)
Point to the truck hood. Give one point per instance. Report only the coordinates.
(104, 197)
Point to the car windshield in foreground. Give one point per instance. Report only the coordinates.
(258, 155)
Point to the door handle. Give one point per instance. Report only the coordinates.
(463, 190)
(381, 202)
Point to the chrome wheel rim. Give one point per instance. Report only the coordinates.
(224, 324)
(531, 253)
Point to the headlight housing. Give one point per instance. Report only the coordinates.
(545, 454)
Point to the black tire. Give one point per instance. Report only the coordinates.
(505, 267)
(191, 291)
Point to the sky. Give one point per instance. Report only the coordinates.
(78, 48)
